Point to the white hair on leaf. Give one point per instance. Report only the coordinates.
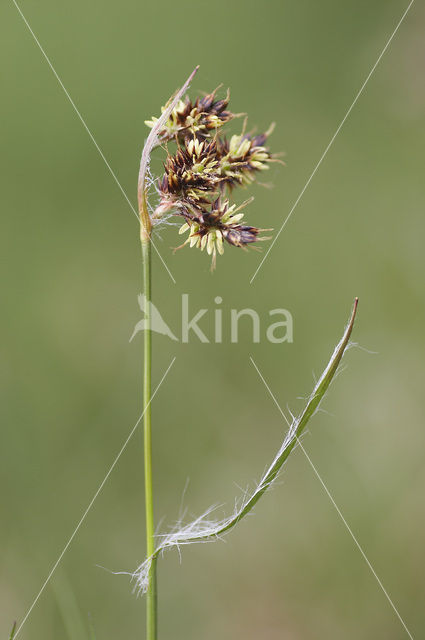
(203, 529)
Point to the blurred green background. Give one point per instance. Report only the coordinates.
(71, 382)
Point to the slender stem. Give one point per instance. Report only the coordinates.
(151, 601)
(145, 237)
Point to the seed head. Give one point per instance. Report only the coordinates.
(208, 227)
(202, 117)
(243, 156)
(204, 167)
(191, 175)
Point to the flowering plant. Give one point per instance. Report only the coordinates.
(198, 181)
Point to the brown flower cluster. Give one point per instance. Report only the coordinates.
(205, 168)
(201, 117)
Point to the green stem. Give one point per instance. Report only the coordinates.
(151, 601)
(145, 233)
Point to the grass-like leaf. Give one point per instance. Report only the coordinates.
(203, 529)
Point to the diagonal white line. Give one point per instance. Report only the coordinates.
(83, 122)
(341, 124)
(355, 540)
(83, 517)
(334, 504)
